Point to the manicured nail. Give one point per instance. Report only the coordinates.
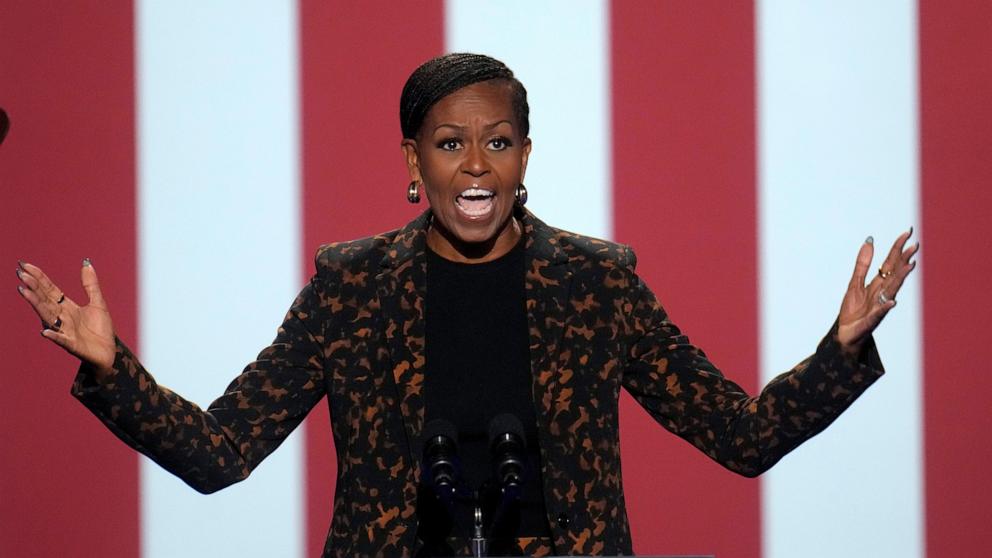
(869, 240)
(20, 264)
(18, 270)
(87, 262)
(910, 230)
(20, 289)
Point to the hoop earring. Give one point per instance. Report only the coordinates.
(520, 194)
(412, 193)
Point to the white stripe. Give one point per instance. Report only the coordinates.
(560, 52)
(837, 162)
(219, 242)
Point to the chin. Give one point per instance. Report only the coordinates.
(470, 235)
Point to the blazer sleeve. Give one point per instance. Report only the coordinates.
(214, 448)
(675, 382)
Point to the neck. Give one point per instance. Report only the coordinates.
(449, 247)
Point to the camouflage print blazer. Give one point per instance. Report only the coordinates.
(356, 334)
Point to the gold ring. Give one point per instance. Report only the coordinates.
(884, 274)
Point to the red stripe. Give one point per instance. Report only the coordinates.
(67, 486)
(956, 189)
(685, 198)
(355, 58)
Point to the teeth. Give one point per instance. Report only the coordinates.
(475, 192)
(475, 201)
(476, 212)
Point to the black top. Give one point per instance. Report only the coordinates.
(478, 367)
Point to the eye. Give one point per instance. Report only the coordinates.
(499, 143)
(449, 144)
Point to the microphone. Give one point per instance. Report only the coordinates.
(506, 442)
(441, 457)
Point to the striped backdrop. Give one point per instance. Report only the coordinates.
(199, 152)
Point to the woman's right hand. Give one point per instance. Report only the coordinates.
(85, 331)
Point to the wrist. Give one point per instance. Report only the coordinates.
(851, 348)
(101, 373)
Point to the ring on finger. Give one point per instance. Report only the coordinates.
(883, 273)
(882, 298)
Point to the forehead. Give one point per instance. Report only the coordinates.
(485, 100)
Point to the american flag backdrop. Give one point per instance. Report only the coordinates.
(200, 152)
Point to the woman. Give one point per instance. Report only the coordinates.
(474, 309)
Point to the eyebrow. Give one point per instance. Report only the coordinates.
(460, 128)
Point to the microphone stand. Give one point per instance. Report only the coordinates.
(480, 545)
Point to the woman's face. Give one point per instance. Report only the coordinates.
(470, 157)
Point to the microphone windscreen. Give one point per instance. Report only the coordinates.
(440, 427)
(505, 424)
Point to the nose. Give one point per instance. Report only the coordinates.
(475, 162)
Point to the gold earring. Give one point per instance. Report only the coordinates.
(521, 194)
(412, 192)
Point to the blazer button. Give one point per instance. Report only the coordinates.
(563, 520)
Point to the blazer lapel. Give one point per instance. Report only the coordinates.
(547, 281)
(401, 284)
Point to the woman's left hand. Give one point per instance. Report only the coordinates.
(864, 306)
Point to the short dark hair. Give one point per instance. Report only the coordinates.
(439, 77)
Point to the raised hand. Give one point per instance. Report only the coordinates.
(85, 331)
(864, 306)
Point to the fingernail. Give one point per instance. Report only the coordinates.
(20, 264)
(870, 240)
(87, 262)
(911, 230)
(20, 289)
(18, 270)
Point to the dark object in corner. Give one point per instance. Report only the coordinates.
(4, 124)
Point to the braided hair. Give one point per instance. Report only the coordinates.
(439, 77)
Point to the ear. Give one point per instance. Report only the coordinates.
(412, 157)
(524, 155)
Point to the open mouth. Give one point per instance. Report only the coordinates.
(476, 202)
